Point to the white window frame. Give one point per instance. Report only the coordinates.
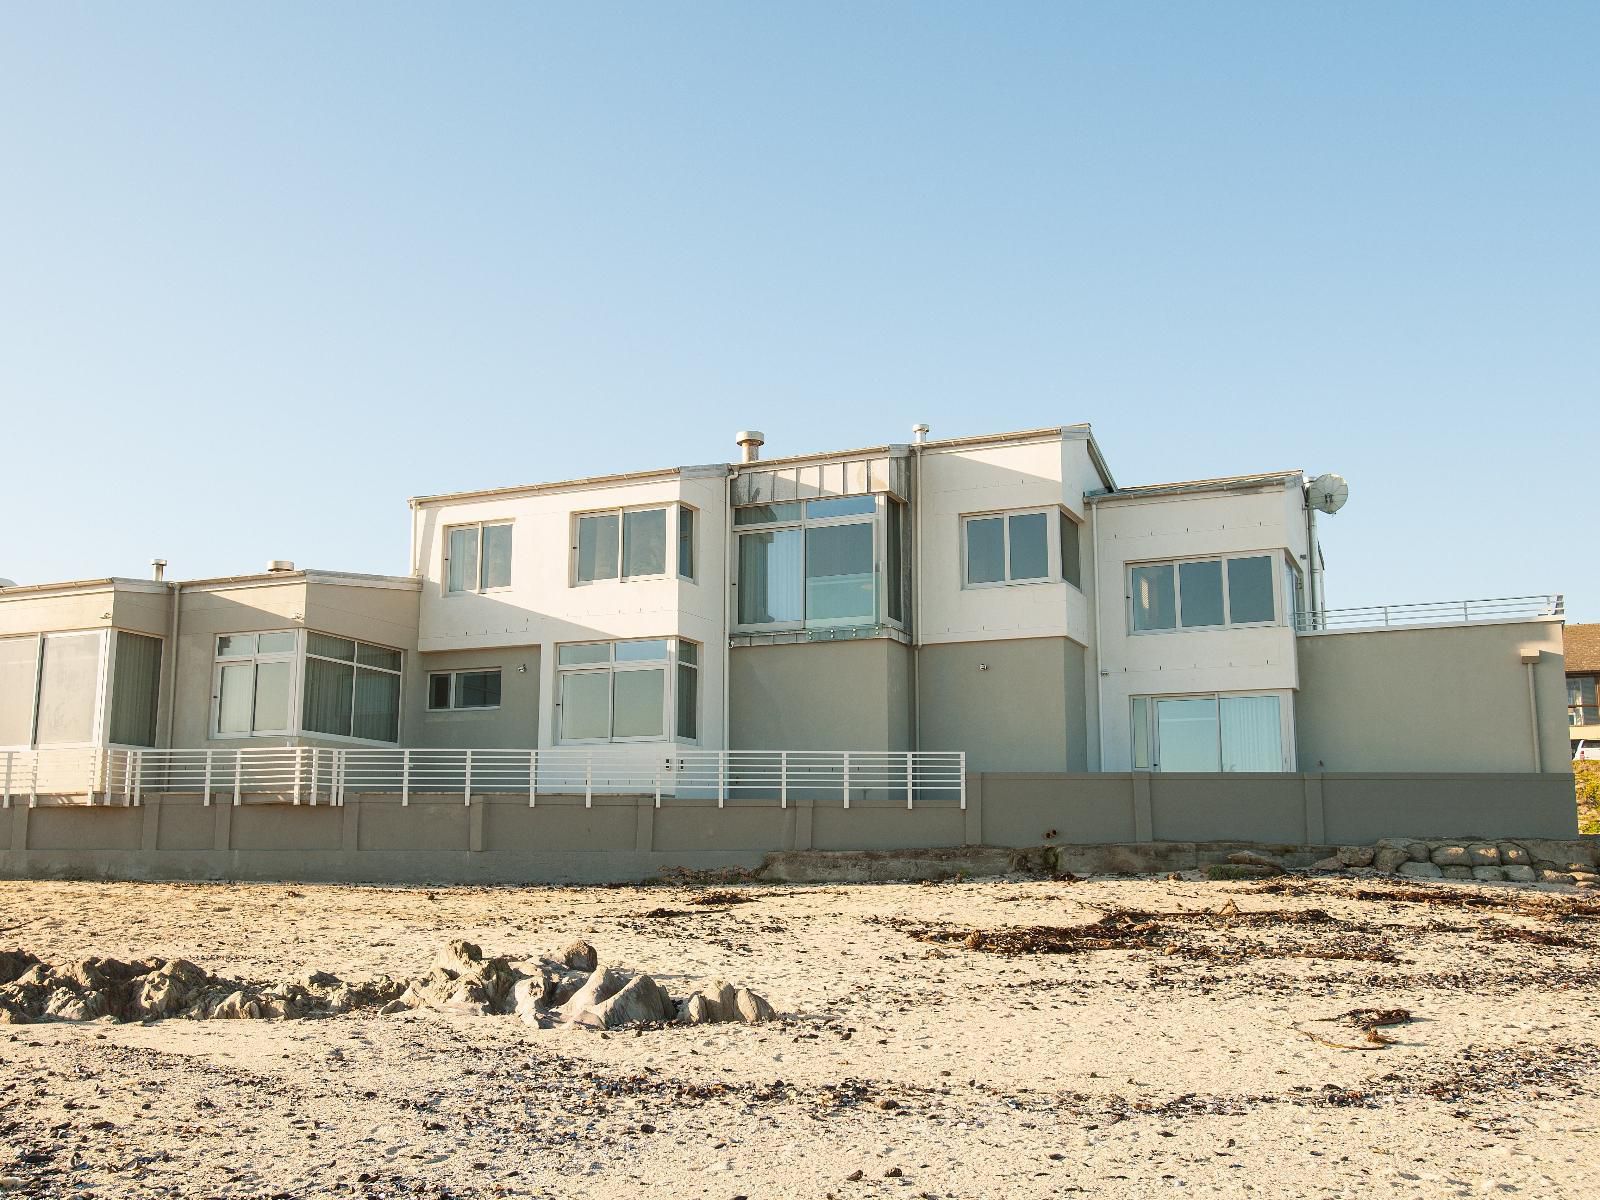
(444, 564)
(1286, 739)
(100, 726)
(1052, 546)
(877, 518)
(293, 656)
(453, 707)
(668, 666)
(676, 534)
(669, 507)
(1273, 564)
(299, 695)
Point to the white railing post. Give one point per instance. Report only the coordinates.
(533, 778)
(238, 771)
(783, 779)
(660, 770)
(722, 778)
(137, 768)
(961, 766)
(911, 760)
(316, 770)
(33, 782)
(405, 778)
(7, 793)
(588, 779)
(847, 778)
(467, 792)
(299, 760)
(339, 759)
(1466, 613)
(207, 783)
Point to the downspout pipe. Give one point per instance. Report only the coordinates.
(1530, 659)
(1099, 677)
(176, 590)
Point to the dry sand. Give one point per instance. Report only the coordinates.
(1198, 1060)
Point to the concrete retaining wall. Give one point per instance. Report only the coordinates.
(502, 839)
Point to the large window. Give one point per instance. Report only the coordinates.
(254, 674)
(1202, 593)
(346, 688)
(814, 563)
(1207, 733)
(135, 688)
(352, 689)
(464, 689)
(633, 543)
(631, 691)
(1583, 706)
(50, 691)
(478, 557)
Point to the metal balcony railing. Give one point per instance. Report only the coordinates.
(313, 775)
(1441, 612)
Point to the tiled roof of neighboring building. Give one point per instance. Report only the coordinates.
(1582, 644)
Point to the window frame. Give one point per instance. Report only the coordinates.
(1575, 682)
(877, 520)
(358, 666)
(1279, 618)
(100, 724)
(479, 526)
(1152, 734)
(671, 563)
(296, 656)
(612, 667)
(452, 673)
(1052, 546)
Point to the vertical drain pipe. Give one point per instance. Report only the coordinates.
(1530, 659)
(919, 432)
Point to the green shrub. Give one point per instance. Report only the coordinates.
(1586, 783)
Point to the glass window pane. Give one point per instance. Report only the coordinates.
(1140, 715)
(1250, 590)
(135, 685)
(234, 645)
(644, 542)
(584, 652)
(1154, 606)
(843, 506)
(839, 582)
(19, 660)
(275, 643)
(688, 701)
(585, 701)
(688, 652)
(767, 514)
(1251, 734)
(597, 547)
(650, 650)
(1186, 735)
(68, 681)
(986, 550)
(377, 708)
(462, 575)
(439, 690)
(272, 696)
(381, 657)
(1071, 564)
(894, 548)
(1200, 594)
(478, 689)
(686, 542)
(639, 704)
(236, 698)
(496, 556)
(770, 567)
(1030, 546)
(329, 694)
(327, 646)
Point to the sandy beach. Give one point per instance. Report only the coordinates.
(1114, 1037)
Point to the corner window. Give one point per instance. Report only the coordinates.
(628, 691)
(135, 689)
(1071, 551)
(478, 557)
(632, 543)
(1203, 593)
(463, 689)
(815, 563)
(1208, 733)
(1007, 548)
(352, 689)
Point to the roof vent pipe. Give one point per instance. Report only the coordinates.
(280, 566)
(750, 442)
(158, 569)
(920, 431)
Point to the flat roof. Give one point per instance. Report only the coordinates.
(1224, 483)
(123, 583)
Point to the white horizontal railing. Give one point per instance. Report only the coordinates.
(313, 775)
(1439, 612)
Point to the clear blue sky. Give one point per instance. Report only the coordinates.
(267, 270)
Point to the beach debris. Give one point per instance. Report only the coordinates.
(1249, 858)
(463, 981)
(722, 896)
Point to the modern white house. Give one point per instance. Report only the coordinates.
(999, 600)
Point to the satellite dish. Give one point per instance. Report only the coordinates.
(1327, 493)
